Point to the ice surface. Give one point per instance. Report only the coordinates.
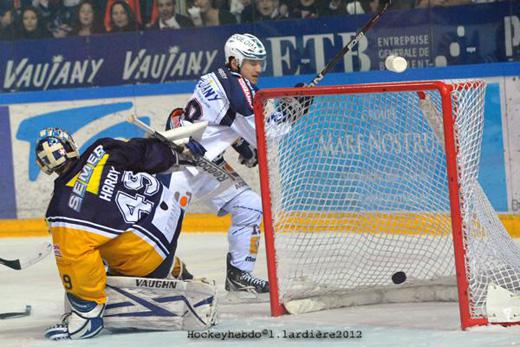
(423, 324)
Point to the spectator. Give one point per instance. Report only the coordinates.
(88, 20)
(47, 7)
(7, 14)
(6, 19)
(122, 18)
(433, 3)
(164, 16)
(265, 10)
(247, 13)
(29, 27)
(283, 9)
(221, 4)
(237, 6)
(205, 14)
(135, 10)
(429, 3)
(148, 9)
(371, 6)
(404, 4)
(60, 22)
(305, 9)
(335, 8)
(11, 11)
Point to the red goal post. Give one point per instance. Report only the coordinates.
(369, 180)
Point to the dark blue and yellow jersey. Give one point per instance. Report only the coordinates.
(109, 206)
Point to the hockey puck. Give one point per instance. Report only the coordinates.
(399, 277)
(395, 63)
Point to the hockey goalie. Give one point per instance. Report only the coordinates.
(109, 215)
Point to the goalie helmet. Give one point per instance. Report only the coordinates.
(244, 46)
(53, 148)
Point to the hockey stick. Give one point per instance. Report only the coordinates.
(353, 41)
(7, 315)
(22, 263)
(206, 165)
(306, 101)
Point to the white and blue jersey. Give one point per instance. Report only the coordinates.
(225, 100)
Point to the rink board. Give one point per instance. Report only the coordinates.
(94, 113)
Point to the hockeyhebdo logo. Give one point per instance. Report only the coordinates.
(59, 72)
(74, 120)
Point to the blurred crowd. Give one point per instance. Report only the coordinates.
(35, 19)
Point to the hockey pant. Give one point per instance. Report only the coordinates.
(242, 203)
(80, 256)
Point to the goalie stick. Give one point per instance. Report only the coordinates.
(22, 263)
(206, 165)
(7, 315)
(353, 41)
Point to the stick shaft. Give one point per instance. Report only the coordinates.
(348, 47)
(206, 165)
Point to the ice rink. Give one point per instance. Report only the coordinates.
(424, 324)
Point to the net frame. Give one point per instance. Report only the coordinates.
(450, 144)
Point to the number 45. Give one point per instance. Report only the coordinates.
(133, 207)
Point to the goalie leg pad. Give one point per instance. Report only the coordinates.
(160, 304)
(84, 320)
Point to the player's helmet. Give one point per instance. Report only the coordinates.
(244, 46)
(53, 148)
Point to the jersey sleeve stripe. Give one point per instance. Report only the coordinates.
(228, 118)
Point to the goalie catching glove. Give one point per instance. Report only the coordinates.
(84, 321)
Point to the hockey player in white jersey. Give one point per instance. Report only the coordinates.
(224, 98)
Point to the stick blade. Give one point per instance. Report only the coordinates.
(8, 315)
(42, 252)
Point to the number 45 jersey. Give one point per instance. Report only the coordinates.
(110, 203)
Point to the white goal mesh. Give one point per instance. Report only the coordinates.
(358, 190)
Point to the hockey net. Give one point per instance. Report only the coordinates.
(360, 186)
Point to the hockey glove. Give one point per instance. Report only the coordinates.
(192, 150)
(291, 109)
(195, 148)
(247, 153)
(304, 101)
(84, 321)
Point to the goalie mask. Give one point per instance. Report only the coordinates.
(53, 149)
(244, 46)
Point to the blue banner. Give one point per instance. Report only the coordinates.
(440, 36)
(8, 198)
